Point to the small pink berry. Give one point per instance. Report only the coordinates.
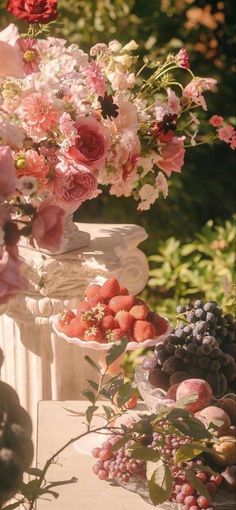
(103, 474)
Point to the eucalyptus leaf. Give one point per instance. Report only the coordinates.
(89, 395)
(90, 412)
(91, 362)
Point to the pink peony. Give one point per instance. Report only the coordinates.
(172, 156)
(216, 121)
(33, 164)
(92, 142)
(11, 280)
(196, 87)
(73, 184)
(30, 55)
(7, 172)
(48, 225)
(11, 62)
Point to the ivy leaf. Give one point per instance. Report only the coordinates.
(159, 481)
(145, 453)
(90, 412)
(187, 452)
(197, 484)
(92, 364)
(116, 350)
(89, 395)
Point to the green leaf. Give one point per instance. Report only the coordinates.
(115, 351)
(108, 411)
(187, 452)
(34, 471)
(90, 412)
(184, 401)
(159, 482)
(143, 426)
(89, 395)
(197, 484)
(93, 384)
(91, 362)
(30, 489)
(12, 506)
(125, 392)
(143, 452)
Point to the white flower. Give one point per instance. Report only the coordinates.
(27, 185)
(148, 195)
(162, 184)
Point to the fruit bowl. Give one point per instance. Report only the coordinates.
(152, 396)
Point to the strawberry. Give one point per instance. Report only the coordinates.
(100, 310)
(82, 306)
(123, 291)
(75, 329)
(118, 303)
(139, 312)
(94, 334)
(132, 402)
(93, 293)
(116, 334)
(64, 319)
(110, 288)
(86, 319)
(108, 322)
(124, 319)
(160, 324)
(143, 330)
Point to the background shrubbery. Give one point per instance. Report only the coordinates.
(186, 261)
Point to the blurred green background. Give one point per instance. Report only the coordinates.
(188, 259)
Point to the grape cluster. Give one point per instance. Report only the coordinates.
(188, 497)
(16, 448)
(117, 465)
(203, 345)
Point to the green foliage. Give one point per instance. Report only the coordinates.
(201, 268)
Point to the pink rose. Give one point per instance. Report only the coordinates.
(172, 156)
(91, 143)
(11, 281)
(11, 62)
(73, 183)
(7, 172)
(48, 225)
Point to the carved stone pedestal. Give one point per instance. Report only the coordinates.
(38, 364)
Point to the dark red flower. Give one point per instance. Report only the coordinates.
(108, 107)
(33, 11)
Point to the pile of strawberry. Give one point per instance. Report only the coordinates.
(109, 313)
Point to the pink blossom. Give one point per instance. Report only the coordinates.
(48, 225)
(182, 58)
(92, 142)
(7, 172)
(73, 183)
(225, 133)
(67, 128)
(162, 184)
(33, 164)
(216, 121)
(194, 90)
(11, 281)
(233, 141)
(172, 156)
(39, 115)
(30, 55)
(121, 81)
(95, 78)
(148, 195)
(10, 56)
(173, 102)
(128, 115)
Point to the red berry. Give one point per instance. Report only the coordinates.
(202, 476)
(64, 319)
(132, 402)
(212, 488)
(217, 479)
(105, 455)
(93, 294)
(108, 322)
(139, 312)
(116, 334)
(94, 334)
(123, 291)
(75, 329)
(86, 320)
(103, 474)
(83, 306)
(187, 489)
(95, 452)
(124, 319)
(180, 497)
(160, 323)
(143, 330)
(110, 289)
(118, 303)
(190, 500)
(203, 502)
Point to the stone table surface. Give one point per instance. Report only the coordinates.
(55, 427)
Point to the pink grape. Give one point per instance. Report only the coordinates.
(187, 489)
(202, 502)
(105, 455)
(103, 474)
(190, 500)
(95, 452)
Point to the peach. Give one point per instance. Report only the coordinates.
(211, 413)
(171, 393)
(224, 452)
(197, 387)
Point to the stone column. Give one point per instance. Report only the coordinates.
(38, 364)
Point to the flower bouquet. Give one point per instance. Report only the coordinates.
(73, 122)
